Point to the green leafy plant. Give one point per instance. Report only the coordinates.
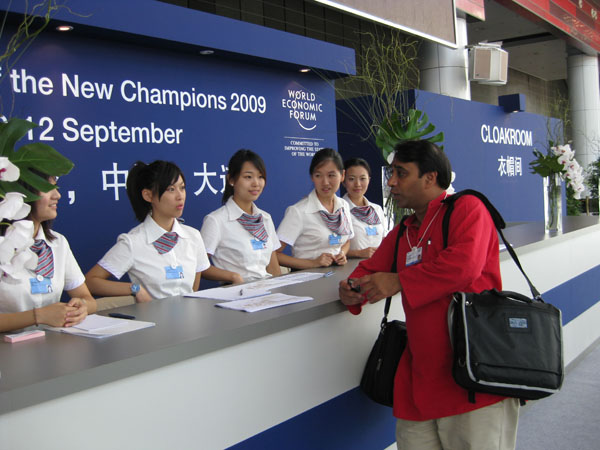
(376, 98)
(546, 164)
(386, 69)
(398, 128)
(593, 177)
(36, 155)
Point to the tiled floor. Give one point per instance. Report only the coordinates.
(570, 419)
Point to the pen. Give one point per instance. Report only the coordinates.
(121, 316)
(328, 274)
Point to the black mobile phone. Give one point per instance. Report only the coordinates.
(352, 287)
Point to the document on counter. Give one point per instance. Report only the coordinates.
(97, 326)
(285, 280)
(264, 302)
(229, 293)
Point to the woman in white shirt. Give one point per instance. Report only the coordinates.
(239, 237)
(318, 227)
(162, 257)
(35, 299)
(367, 218)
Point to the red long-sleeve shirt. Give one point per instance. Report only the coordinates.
(424, 387)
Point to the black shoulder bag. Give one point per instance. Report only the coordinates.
(377, 381)
(505, 343)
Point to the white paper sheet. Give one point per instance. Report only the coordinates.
(229, 293)
(100, 326)
(264, 302)
(285, 280)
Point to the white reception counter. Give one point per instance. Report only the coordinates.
(211, 378)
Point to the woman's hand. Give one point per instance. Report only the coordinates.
(367, 252)
(340, 258)
(236, 278)
(325, 260)
(76, 312)
(143, 296)
(54, 315)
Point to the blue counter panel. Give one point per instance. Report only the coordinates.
(350, 421)
(577, 295)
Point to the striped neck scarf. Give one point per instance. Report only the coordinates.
(166, 242)
(254, 225)
(45, 265)
(366, 214)
(336, 222)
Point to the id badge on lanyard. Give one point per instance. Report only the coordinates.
(257, 244)
(173, 272)
(371, 231)
(334, 239)
(414, 256)
(40, 285)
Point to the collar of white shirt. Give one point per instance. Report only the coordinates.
(351, 203)
(41, 235)
(154, 230)
(314, 204)
(234, 211)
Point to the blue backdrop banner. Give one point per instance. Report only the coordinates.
(490, 149)
(106, 104)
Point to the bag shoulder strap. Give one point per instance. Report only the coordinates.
(394, 268)
(451, 200)
(498, 223)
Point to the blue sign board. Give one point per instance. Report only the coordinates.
(489, 149)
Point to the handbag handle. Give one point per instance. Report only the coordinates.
(536, 295)
(513, 295)
(394, 268)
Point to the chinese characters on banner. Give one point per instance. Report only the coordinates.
(116, 179)
(510, 166)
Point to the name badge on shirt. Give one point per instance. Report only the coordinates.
(173, 273)
(371, 231)
(40, 285)
(414, 256)
(334, 239)
(258, 245)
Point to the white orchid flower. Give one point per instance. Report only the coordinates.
(18, 237)
(564, 159)
(563, 150)
(451, 189)
(18, 268)
(8, 171)
(13, 207)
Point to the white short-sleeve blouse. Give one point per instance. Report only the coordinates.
(367, 235)
(303, 228)
(17, 297)
(230, 244)
(135, 255)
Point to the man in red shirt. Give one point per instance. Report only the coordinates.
(433, 411)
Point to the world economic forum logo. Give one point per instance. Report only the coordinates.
(303, 107)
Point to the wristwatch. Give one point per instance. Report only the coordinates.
(135, 288)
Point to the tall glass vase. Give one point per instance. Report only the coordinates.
(553, 203)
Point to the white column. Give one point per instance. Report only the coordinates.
(584, 101)
(444, 70)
